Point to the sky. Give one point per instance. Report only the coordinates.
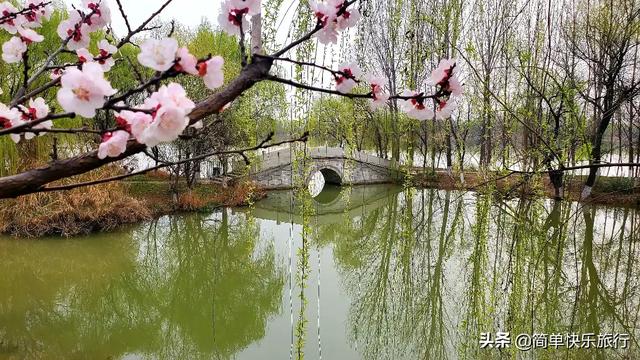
(187, 12)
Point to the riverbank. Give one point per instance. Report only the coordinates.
(110, 206)
(612, 191)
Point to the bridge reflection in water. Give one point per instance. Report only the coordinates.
(379, 273)
(331, 206)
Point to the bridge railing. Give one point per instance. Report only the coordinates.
(282, 157)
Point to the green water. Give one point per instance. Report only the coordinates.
(377, 273)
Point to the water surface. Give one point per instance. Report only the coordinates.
(372, 272)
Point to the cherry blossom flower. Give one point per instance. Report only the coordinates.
(173, 95)
(29, 36)
(348, 77)
(75, 30)
(455, 87)
(10, 24)
(113, 144)
(212, 73)
(233, 14)
(349, 16)
(445, 109)
(134, 122)
(13, 50)
(99, 15)
(170, 117)
(169, 122)
(187, 63)
(106, 59)
(443, 72)
(379, 97)
(39, 11)
(10, 117)
(326, 16)
(84, 56)
(159, 55)
(56, 74)
(84, 91)
(38, 109)
(415, 107)
(446, 77)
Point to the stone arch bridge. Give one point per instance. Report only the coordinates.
(274, 169)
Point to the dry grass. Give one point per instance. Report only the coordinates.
(70, 213)
(157, 175)
(191, 201)
(239, 194)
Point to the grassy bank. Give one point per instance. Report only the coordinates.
(109, 206)
(611, 191)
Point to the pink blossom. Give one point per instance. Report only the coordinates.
(13, 50)
(173, 95)
(212, 72)
(445, 109)
(159, 55)
(348, 77)
(39, 11)
(416, 107)
(84, 55)
(106, 55)
(56, 74)
(134, 122)
(455, 87)
(99, 14)
(326, 16)
(443, 72)
(233, 14)
(38, 109)
(446, 77)
(84, 91)
(75, 30)
(188, 63)
(377, 91)
(169, 122)
(113, 144)
(170, 117)
(10, 25)
(328, 34)
(10, 117)
(349, 16)
(29, 36)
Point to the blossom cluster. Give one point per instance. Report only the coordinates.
(161, 118)
(21, 23)
(333, 16)
(18, 116)
(415, 104)
(233, 15)
(83, 88)
(448, 92)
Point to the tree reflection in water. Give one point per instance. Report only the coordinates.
(179, 288)
(390, 274)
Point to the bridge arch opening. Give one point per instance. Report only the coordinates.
(331, 176)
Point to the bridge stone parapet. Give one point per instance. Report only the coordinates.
(275, 170)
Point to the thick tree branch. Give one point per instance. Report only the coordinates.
(242, 152)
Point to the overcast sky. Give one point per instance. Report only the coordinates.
(187, 12)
